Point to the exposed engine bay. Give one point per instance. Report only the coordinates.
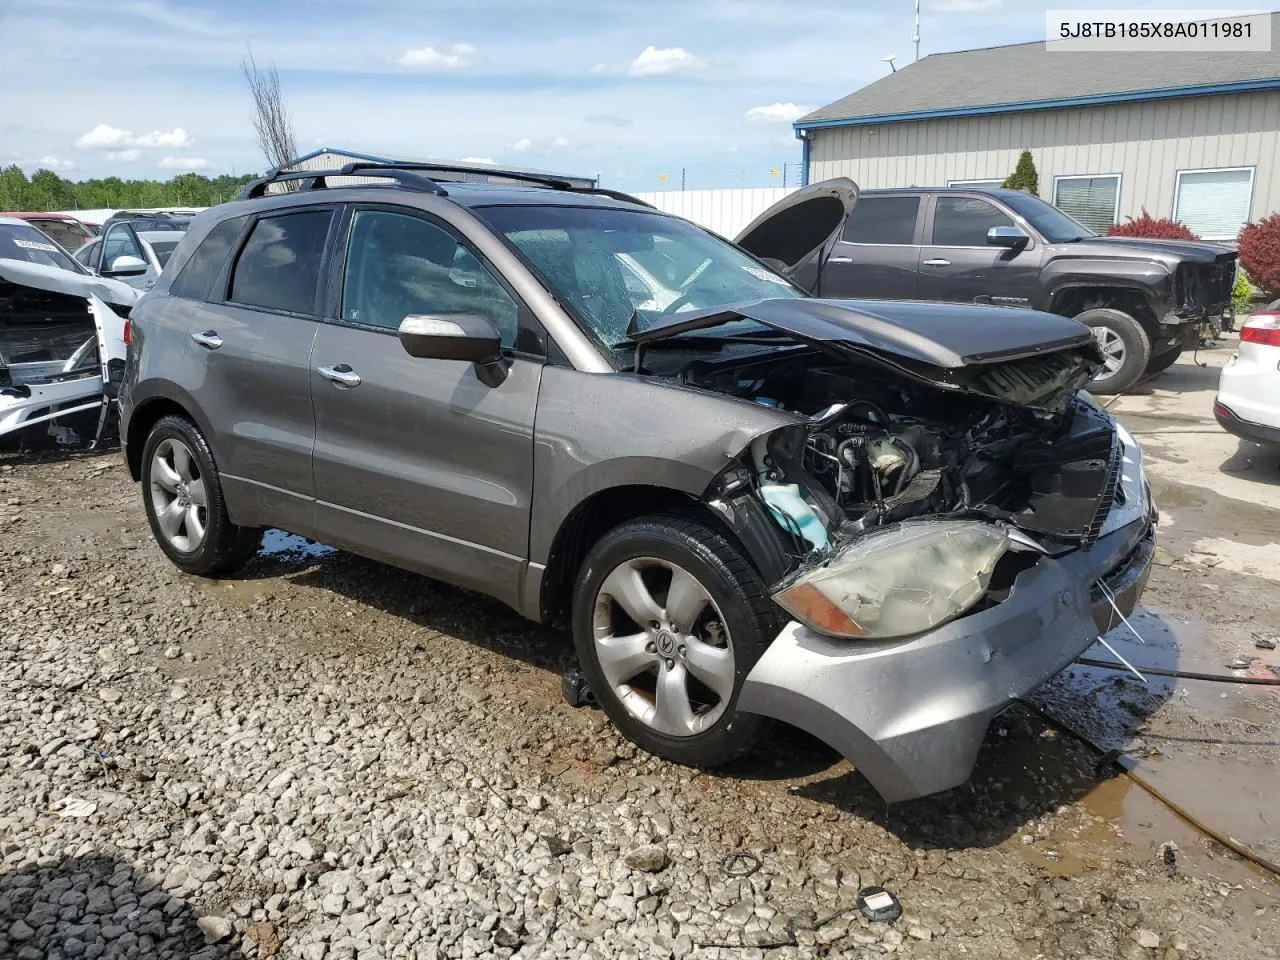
(878, 447)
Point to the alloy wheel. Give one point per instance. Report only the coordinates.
(663, 646)
(1113, 352)
(178, 495)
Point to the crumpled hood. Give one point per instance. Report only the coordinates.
(1019, 356)
(57, 280)
(945, 335)
(1167, 252)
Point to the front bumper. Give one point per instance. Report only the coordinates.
(912, 714)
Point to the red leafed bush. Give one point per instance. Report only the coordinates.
(1161, 228)
(1259, 247)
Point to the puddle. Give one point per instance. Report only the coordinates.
(1208, 746)
(277, 543)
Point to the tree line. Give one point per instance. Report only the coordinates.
(45, 190)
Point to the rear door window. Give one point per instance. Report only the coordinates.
(279, 267)
(964, 221)
(890, 220)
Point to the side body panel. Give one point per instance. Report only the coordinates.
(422, 465)
(979, 273)
(255, 391)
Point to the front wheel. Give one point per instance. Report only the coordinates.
(1126, 349)
(668, 620)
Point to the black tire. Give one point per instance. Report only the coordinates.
(224, 547)
(1163, 361)
(739, 600)
(1133, 344)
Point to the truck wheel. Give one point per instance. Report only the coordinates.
(668, 620)
(1126, 349)
(1163, 361)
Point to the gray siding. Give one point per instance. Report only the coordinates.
(1147, 143)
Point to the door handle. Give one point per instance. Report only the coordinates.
(209, 339)
(840, 260)
(937, 262)
(340, 375)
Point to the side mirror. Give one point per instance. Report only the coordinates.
(126, 266)
(1010, 237)
(456, 336)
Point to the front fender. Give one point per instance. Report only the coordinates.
(595, 431)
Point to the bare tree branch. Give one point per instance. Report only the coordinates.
(271, 120)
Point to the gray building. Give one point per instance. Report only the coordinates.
(331, 158)
(1192, 136)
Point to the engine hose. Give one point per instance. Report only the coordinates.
(1182, 674)
(1114, 758)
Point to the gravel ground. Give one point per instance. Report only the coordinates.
(328, 758)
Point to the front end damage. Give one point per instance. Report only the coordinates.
(62, 348)
(941, 542)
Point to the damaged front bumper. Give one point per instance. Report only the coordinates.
(911, 714)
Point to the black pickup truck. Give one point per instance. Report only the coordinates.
(1146, 300)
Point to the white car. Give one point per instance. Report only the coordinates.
(1248, 401)
(128, 254)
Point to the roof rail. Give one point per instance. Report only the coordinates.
(316, 179)
(411, 175)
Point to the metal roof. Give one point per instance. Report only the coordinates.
(479, 171)
(1027, 76)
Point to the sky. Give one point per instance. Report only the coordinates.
(634, 92)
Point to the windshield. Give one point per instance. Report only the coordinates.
(611, 265)
(1050, 222)
(23, 242)
(163, 249)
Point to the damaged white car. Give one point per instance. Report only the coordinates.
(881, 522)
(62, 338)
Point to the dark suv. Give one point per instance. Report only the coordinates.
(1146, 300)
(880, 522)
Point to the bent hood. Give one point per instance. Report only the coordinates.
(1022, 356)
(57, 280)
(794, 229)
(1167, 252)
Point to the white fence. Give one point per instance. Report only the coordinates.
(724, 211)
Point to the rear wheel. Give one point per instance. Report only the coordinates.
(668, 620)
(183, 498)
(1126, 349)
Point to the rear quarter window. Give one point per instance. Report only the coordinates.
(890, 220)
(204, 265)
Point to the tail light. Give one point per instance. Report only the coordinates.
(1267, 336)
(128, 332)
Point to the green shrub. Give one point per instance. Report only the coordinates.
(1242, 293)
(1024, 176)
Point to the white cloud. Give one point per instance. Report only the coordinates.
(51, 162)
(599, 68)
(559, 142)
(966, 6)
(476, 160)
(653, 62)
(777, 113)
(184, 163)
(125, 156)
(174, 139)
(429, 58)
(105, 135)
(607, 119)
(521, 145)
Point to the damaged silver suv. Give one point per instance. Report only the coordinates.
(879, 522)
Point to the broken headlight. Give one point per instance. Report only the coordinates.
(899, 581)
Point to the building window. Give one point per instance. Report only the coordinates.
(975, 184)
(1094, 201)
(1214, 203)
